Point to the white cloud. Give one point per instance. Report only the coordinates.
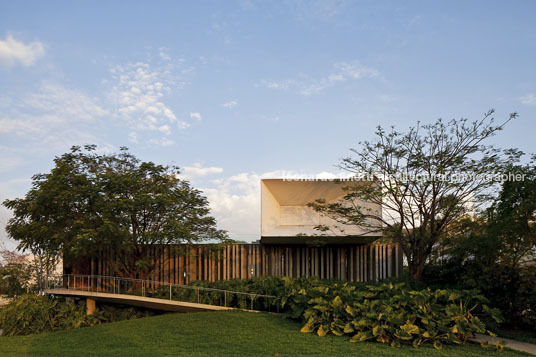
(16, 52)
(139, 97)
(342, 72)
(10, 189)
(161, 142)
(235, 201)
(183, 125)
(8, 161)
(230, 104)
(5, 215)
(196, 116)
(198, 170)
(164, 54)
(52, 116)
(133, 137)
(528, 99)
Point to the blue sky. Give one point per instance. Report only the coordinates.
(236, 90)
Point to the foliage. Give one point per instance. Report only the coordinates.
(512, 217)
(424, 179)
(218, 333)
(496, 252)
(391, 313)
(31, 314)
(89, 201)
(511, 290)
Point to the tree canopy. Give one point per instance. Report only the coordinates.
(91, 200)
(425, 179)
(512, 217)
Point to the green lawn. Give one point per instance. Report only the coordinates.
(210, 334)
(522, 336)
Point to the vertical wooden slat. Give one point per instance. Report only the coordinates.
(157, 257)
(317, 262)
(165, 261)
(358, 263)
(213, 258)
(177, 270)
(224, 263)
(322, 263)
(172, 264)
(205, 266)
(243, 262)
(390, 266)
(376, 261)
(180, 269)
(370, 262)
(351, 261)
(329, 267)
(258, 270)
(230, 262)
(304, 262)
(366, 270)
(192, 269)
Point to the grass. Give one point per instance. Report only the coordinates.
(521, 336)
(226, 333)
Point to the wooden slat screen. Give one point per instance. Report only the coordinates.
(182, 264)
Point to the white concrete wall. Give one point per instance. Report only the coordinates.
(269, 211)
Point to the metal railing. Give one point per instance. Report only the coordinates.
(168, 291)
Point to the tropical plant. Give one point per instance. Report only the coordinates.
(391, 313)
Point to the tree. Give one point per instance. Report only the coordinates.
(90, 201)
(512, 217)
(424, 179)
(495, 251)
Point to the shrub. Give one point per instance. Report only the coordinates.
(31, 314)
(511, 290)
(391, 313)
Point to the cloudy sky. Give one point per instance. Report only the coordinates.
(232, 91)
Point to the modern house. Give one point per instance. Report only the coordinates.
(289, 245)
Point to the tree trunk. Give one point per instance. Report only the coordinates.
(416, 269)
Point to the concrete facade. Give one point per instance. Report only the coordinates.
(284, 211)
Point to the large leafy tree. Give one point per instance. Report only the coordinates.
(425, 179)
(90, 201)
(512, 217)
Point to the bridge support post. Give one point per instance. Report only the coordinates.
(91, 305)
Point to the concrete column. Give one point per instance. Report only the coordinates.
(91, 305)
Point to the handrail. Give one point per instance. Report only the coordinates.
(97, 283)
